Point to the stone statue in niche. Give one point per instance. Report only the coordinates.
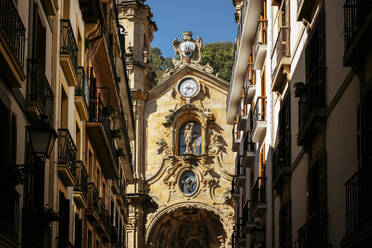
(189, 139)
(163, 147)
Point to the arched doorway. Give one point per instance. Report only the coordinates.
(187, 228)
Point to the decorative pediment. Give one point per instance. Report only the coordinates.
(205, 114)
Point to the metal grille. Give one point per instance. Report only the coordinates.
(12, 28)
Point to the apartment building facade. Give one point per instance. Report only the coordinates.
(317, 84)
(66, 157)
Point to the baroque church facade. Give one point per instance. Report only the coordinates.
(183, 163)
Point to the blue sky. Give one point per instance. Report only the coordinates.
(212, 20)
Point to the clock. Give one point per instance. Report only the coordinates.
(188, 87)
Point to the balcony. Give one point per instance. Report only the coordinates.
(282, 162)
(105, 54)
(311, 104)
(312, 234)
(259, 119)
(358, 191)
(82, 94)
(280, 60)
(115, 186)
(12, 44)
(259, 198)
(260, 42)
(357, 26)
(80, 193)
(249, 150)
(40, 97)
(99, 132)
(236, 134)
(250, 82)
(249, 224)
(121, 198)
(92, 210)
(124, 143)
(243, 115)
(241, 176)
(9, 218)
(66, 157)
(68, 53)
(235, 190)
(306, 10)
(50, 6)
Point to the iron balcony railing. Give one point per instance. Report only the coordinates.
(261, 34)
(68, 42)
(82, 88)
(67, 150)
(12, 28)
(9, 214)
(101, 209)
(38, 87)
(126, 137)
(259, 113)
(247, 213)
(281, 49)
(259, 191)
(81, 179)
(98, 112)
(123, 194)
(249, 145)
(358, 204)
(309, 235)
(281, 157)
(355, 13)
(313, 97)
(92, 197)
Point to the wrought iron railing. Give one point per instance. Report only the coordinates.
(101, 210)
(358, 205)
(100, 113)
(126, 138)
(259, 112)
(92, 197)
(281, 157)
(261, 35)
(68, 42)
(67, 150)
(249, 145)
(9, 214)
(313, 97)
(355, 13)
(12, 28)
(38, 87)
(123, 194)
(259, 191)
(309, 235)
(281, 49)
(81, 179)
(82, 88)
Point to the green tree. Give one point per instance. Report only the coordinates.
(158, 65)
(220, 55)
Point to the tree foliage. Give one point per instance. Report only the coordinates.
(220, 55)
(158, 64)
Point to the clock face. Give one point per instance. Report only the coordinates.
(188, 87)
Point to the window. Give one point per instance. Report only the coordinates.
(193, 138)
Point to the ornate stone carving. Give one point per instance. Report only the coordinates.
(163, 147)
(216, 145)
